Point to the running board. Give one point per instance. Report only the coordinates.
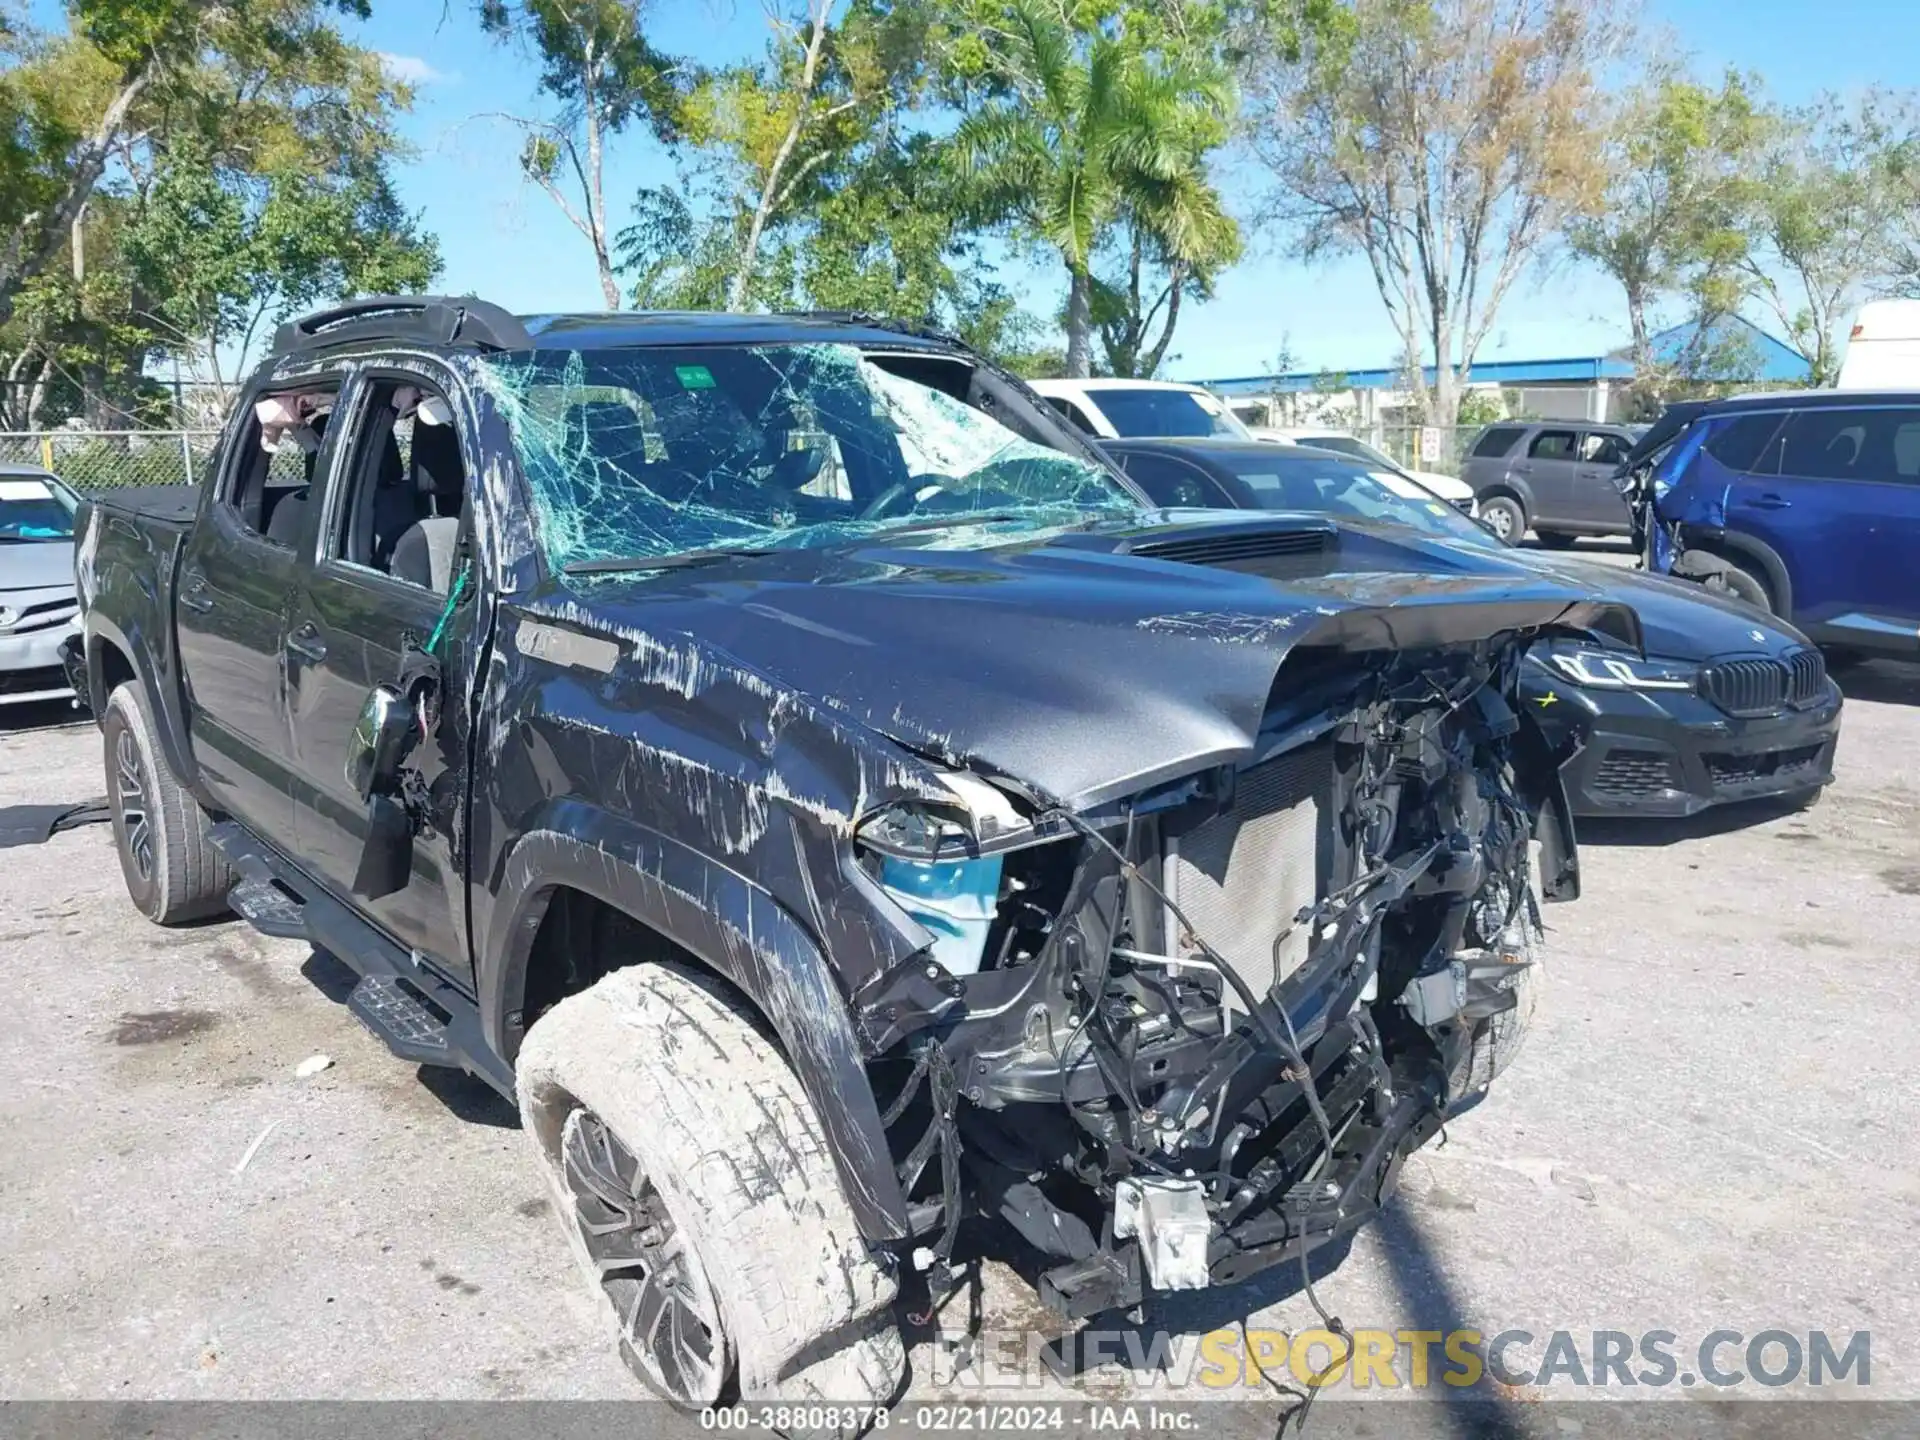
(256, 899)
(418, 1014)
(410, 1024)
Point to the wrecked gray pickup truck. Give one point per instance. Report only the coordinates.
(779, 754)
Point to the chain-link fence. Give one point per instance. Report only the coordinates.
(90, 460)
(1437, 448)
(110, 459)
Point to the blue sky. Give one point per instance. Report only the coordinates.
(505, 240)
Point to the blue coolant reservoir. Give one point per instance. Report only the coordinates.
(954, 899)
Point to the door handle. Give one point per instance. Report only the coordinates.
(195, 596)
(307, 644)
(1769, 501)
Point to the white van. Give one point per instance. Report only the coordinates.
(1146, 409)
(1883, 353)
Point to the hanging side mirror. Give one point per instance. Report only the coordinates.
(380, 741)
(382, 738)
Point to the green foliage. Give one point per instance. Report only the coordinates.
(221, 253)
(602, 73)
(829, 185)
(1092, 117)
(1835, 187)
(593, 55)
(1443, 141)
(1672, 222)
(1480, 406)
(251, 144)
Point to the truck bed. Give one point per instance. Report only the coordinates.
(164, 504)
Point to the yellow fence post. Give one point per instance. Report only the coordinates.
(46, 452)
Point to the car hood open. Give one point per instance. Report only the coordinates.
(1083, 671)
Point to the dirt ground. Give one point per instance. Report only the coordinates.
(1712, 1128)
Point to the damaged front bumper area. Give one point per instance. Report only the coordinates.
(1185, 1036)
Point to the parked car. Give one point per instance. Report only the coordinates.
(1455, 492)
(1106, 408)
(1722, 705)
(38, 610)
(782, 739)
(1806, 504)
(1553, 477)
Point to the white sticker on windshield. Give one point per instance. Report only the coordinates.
(25, 490)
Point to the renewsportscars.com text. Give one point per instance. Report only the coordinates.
(1371, 1359)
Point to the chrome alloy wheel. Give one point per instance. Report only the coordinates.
(670, 1330)
(135, 803)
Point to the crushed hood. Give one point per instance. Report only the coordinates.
(1085, 673)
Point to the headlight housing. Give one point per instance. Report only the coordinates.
(942, 863)
(1593, 667)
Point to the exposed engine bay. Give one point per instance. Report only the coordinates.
(1181, 1038)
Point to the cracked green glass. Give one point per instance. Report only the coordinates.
(659, 451)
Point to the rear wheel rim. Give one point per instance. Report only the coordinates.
(670, 1330)
(136, 824)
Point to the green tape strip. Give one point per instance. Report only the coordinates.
(458, 588)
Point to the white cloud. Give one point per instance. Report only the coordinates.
(411, 69)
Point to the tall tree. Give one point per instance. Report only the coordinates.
(1087, 122)
(602, 74)
(279, 126)
(769, 137)
(1671, 220)
(215, 257)
(1445, 141)
(145, 59)
(1832, 194)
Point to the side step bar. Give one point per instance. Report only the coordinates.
(268, 908)
(419, 1015)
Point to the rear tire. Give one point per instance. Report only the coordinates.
(723, 1137)
(173, 871)
(1504, 516)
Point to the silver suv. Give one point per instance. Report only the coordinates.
(1554, 477)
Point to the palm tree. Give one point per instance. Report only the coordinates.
(1088, 129)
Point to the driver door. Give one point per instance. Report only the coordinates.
(370, 591)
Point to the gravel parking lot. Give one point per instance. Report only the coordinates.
(1712, 1128)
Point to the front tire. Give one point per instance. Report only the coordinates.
(173, 871)
(1505, 517)
(672, 1133)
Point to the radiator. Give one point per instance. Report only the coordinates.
(1241, 877)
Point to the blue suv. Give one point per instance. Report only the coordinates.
(1807, 504)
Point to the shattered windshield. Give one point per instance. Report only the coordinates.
(659, 452)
